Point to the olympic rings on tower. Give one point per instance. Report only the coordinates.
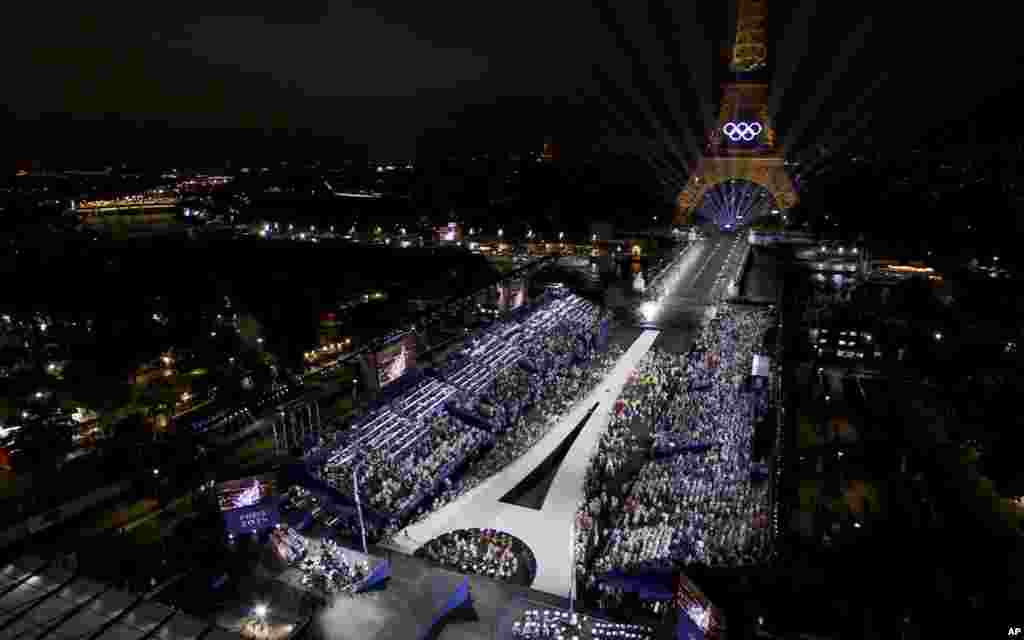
(745, 131)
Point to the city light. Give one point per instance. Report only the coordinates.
(260, 611)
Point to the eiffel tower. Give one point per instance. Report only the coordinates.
(742, 145)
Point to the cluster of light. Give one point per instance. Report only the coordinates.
(359, 194)
(742, 131)
(908, 269)
(129, 201)
(732, 201)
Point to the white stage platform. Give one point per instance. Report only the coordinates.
(548, 531)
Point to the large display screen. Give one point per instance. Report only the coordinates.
(256, 518)
(695, 605)
(394, 360)
(516, 295)
(248, 492)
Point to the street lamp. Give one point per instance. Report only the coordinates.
(359, 505)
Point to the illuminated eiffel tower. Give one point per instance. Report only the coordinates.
(742, 145)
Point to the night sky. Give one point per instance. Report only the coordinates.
(381, 73)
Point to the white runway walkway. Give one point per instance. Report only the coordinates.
(547, 532)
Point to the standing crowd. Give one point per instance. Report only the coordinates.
(696, 500)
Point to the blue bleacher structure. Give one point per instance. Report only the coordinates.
(461, 395)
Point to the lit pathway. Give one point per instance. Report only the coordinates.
(546, 532)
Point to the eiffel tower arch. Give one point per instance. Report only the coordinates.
(742, 144)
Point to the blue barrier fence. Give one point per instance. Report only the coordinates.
(459, 598)
(377, 578)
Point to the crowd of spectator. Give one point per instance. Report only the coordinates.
(526, 431)
(390, 482)
(507, 387)
(325, 566)
(329, 569)
(695, 502)
(481, 551)
(557, 624)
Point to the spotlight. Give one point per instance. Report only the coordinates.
(649, 310)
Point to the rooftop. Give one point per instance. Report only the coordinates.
(39, 601)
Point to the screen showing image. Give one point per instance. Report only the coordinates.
(516, 294)
(695, 605)
(238, 494)
(395, 359)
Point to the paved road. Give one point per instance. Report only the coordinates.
(707, 269)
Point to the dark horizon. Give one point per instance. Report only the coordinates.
(383, 77)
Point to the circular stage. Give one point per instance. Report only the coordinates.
(485, 552)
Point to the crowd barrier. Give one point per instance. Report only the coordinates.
(377, 578)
